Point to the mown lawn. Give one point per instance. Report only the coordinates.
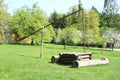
(22, 62)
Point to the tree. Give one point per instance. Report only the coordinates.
(74, 17)
(92, 31)
(27, 20)
(113, 37)
(69, 35)
(54, 18)
(116, 23)
(4, 21)
(109, 12)
(110, 17)
(57, 23)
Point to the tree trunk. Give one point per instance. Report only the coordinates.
(65, 43)
(32, 42)
(112, 46)
(87, 45)
(56, 35)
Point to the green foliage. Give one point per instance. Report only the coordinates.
(49, 34)
(110, 20)
(116, 21)
(2, 36)
(57, 38)
(4, 21)
(70, 35)
(27, 20)
(58, 22)
(54, 17)
(109, 17)
(74, 17)
(102, 42)
(92, 31)
(103, 20)
(73, 31)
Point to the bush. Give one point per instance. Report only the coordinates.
(102, 42)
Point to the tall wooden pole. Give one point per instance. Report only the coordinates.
(41, 45)
(83, 19)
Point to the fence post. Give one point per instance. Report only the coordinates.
(41, 45)
(83, 19)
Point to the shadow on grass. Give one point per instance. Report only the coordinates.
(64, 65)
(23, 44)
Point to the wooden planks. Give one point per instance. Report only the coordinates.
(68, 57)
(78, 63)
(78, 59)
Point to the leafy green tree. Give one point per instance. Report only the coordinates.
(69, 35)
(92, 31)
(27, 20)
(110, 10)
(4, 21)
(116, 23)
(74, 23)
(94, 22)
(110, 17)
(75, 18)
(58, 22)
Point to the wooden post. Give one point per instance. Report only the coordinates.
(41, 45)
(83, 19)
(112, 45)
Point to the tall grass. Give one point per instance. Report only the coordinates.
(22, 62)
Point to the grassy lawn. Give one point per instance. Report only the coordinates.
(22, 62)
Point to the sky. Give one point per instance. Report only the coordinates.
(49, 6)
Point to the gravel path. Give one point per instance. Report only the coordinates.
(108, 49)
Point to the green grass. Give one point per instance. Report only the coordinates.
(22, 62)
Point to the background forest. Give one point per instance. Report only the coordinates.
(89, 27)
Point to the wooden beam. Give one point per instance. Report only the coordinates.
(78, 63)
